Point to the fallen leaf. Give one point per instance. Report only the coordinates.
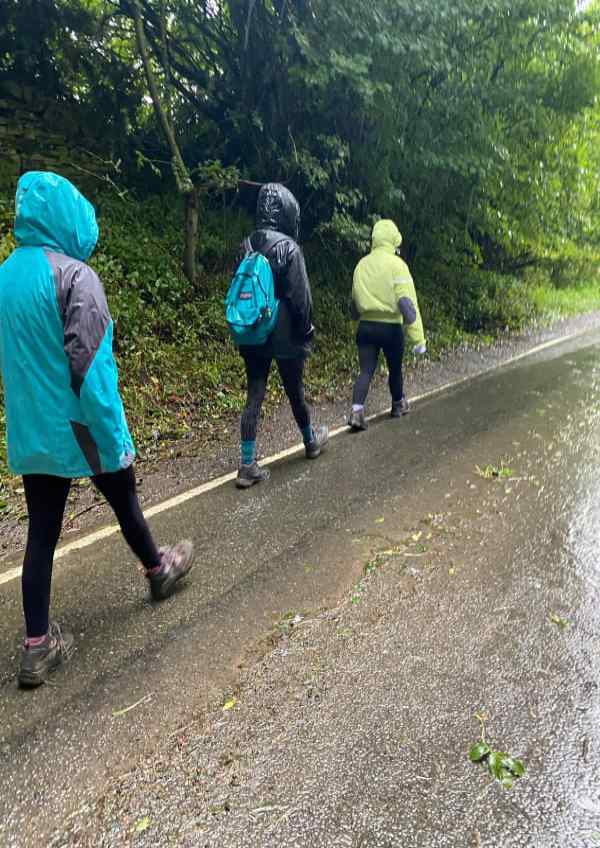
(229, 704)
(142, 825)
(562, 623)
(379, 520)
(478, 752)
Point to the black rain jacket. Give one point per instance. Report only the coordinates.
(277, 228)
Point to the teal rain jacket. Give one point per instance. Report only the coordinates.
(64, 414)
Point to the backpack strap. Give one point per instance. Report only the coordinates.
(273, 245)
(266, 249)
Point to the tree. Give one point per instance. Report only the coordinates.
(182, 177)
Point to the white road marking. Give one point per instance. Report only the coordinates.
(177, 500)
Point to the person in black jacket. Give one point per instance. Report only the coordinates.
(277, 228)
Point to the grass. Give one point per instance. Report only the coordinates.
(554, 303)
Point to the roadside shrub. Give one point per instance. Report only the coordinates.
(491, 302)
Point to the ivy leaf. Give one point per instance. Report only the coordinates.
(493, 764)
(478, 752)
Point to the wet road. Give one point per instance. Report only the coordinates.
(299, 543)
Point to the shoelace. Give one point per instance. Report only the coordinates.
(55, 633)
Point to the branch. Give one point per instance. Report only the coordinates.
(103, 178)
(251, 5)
(164, 49)
(184, 183)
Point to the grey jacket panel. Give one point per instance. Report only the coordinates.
(84, 311)
(88, 446)
(407, 308)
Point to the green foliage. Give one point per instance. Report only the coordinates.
(502, 471)
(475, 126)
(551, 303)
(501, 766)
(7, 242)
(561, 623)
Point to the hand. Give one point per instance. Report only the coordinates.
(420, 349)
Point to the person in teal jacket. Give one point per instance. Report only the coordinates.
(64, 414)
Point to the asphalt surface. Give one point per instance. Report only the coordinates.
(355, 734)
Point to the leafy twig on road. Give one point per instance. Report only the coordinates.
(502, 766)
(495, 472)
(562, 623)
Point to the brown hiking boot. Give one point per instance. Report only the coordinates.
(175, 563)
(39, 662)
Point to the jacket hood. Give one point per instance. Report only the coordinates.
(278, 209)
(52, 213)
(386, 234)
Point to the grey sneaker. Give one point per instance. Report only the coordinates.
(248, 475)
(175, 563)
(320, 438)
(400, 407)
(357, 420)
(37, 663)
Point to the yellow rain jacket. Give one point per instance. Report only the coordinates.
(381, 279)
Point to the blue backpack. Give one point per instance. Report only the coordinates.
(251, 307)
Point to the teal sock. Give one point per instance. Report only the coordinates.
(248, 452)
(308, 434)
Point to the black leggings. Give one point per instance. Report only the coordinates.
(291, 372)
(46, 500)
(371, 338)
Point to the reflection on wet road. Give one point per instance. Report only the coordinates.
(508, 559)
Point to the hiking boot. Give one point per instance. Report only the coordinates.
(37, 663)
(317, 443)
(357, 420)
(400, 407)
(175, 562)
(248, 475)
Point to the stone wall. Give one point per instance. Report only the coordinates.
(39, 134)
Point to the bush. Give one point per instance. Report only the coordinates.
(490, 302)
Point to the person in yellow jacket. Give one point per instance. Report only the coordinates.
(385, 303)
